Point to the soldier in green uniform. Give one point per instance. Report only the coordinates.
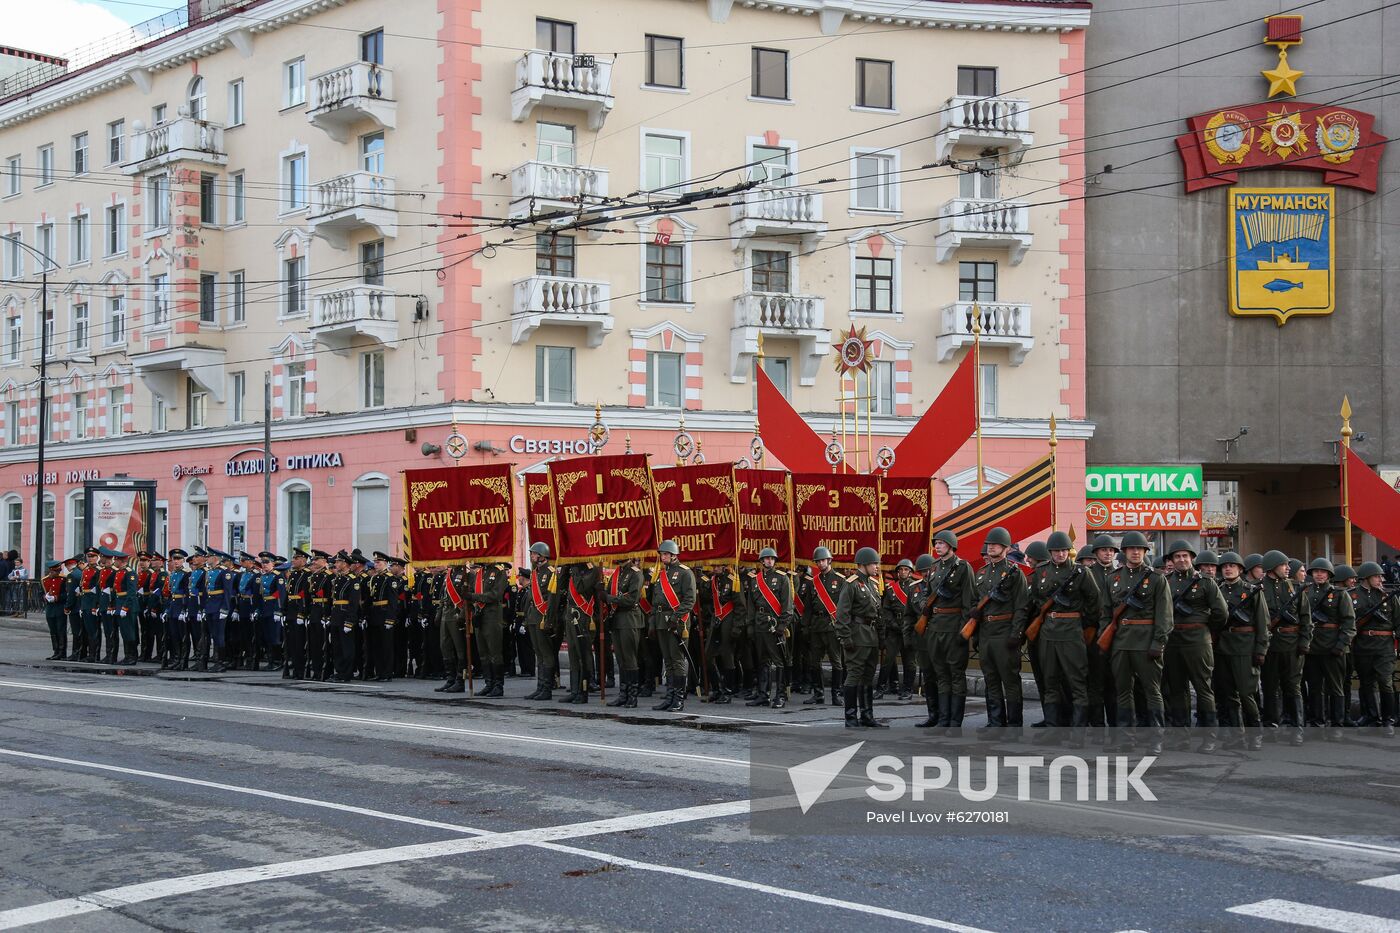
(1103, 696)
(488, 589)
(579, 614)
(1208, 563)
(918, 601)
(898, 672)
(768, 595)
(1067, 599)
(1036, 555)
(1198, 616)
(725, 612)
(1004, 598)
(623, 595)
(540, 605)
(1334, 626)
(1141, 624)
(822, 593)
(672, 602)
(1241, 650)
(452, 630)
(952, 597)
(1289, 637)
(1375, 647)
(1254, 568)
(857, 629)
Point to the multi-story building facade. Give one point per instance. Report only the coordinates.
(402, 217)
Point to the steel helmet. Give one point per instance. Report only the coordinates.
(1037, 550)
(1058, 541)
(1000, 536)
(767, 552)
(1159, 563)
(1322, 563)
(1103, 541)
(1134, 539)
(1344, 572)
(1294, 564)
(1231, 557)
(821, 553)
(867, 555)
(540, 548)
(906, 562)
(1208, 558)
(1273, 559)
(1179, 545)
(924, 563)
(1252, 561)
(1369, 569)
(948, 538)
(668, 547)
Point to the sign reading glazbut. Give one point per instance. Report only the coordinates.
(1143, 482)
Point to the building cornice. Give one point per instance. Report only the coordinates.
(1025, 16)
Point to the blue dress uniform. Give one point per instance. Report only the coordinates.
(218, 584)
(125, 606)
(197, 630)
(269, 608)
(53, 584)
(177, 608)
(241, 634)
(73, 582)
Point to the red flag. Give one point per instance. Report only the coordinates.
(1372, 504)
(1023, 505)
(948, 423)
(785, 434)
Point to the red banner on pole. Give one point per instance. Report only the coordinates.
(696, 509)
(539, 512)
(904, 518)
(765, 513)
(459, 514)
(604, 507)
(838, 511)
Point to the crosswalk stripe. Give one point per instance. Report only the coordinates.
(1320, 918)
(1389, 882)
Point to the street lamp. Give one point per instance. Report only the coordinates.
(44, 263)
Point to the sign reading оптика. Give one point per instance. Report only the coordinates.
(1143, 482)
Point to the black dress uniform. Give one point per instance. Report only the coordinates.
(344, 618)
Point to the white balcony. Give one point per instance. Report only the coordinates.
(342, 314)
(773, 210)
(981, 224)
(552, 79)
(543, 188)
(1003, 325)
(161, 370)
(552, 299)
(349, 203)
(791, 317)
(1002, 123)
(350, 94)
(182, 139)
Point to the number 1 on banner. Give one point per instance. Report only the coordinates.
(599, 478)
(685, 493)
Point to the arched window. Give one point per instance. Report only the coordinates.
(195, 99)
(372, 513)
(194, 528)
(294, 516)
(12, 513)
(50, 523)
(75, 510)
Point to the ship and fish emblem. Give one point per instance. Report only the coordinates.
(1282, 252)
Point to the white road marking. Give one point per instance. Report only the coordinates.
(387, 723)
(1321, 918)
(1388, 882)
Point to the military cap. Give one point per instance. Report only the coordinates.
(1159, 562)
(298, 552)
(924, 563)
(1230, 557)
(1369, 569)
(120, 555)
(1293, 565)
(244, 555)
(267, 555)
(92, 550)
(78, 559)
(200, 552)
(356, 557)
(159, 557)
(342, 557)
(1209, 559)
(323, 555)
(284, 565)
(379, 555)
(398, 562)
(52, 564)
(867, 555)
(1103, 541)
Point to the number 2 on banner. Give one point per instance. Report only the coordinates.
(834, 498)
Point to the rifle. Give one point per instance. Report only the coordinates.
(942, 592)
(995, 596)
(1033, 630)
(1240, 612)
(1111, 630)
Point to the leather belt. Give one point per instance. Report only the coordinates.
(1241, 628)
(947, 611)
(1188, 625)
(1330, 625)
(320, 602)
(1384, 633)
(380, 602)
(1064, 615)
(177, 595)
(1137, 621)
(1000, 617)
(341, 602)
(1287, 629)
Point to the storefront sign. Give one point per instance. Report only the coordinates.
(520, 444)
(68, 476)
(318, 461)
(1143, 514)
(181, 470)
(1143, 482)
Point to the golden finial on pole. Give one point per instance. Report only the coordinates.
(1346, 480)
(760, 347)
(627, 440)
(1054, 509)
(977, 383)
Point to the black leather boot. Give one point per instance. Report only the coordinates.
(623, 692)
(128, 651)
(780, 689)
(996, 718)
(678, 693)
(838, 684)
(584, 689)
(448, 685)
(1388, 715)
(1078, 726)
(815, 679)
(850, 695)
(867, 710)
(1296, 739)
(956, 706)
(931, 705)
(760, 696)
(666, 698)
(1157, 726)
(632, 677)
(496, 685)
(1210, 723)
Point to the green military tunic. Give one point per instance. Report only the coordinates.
(1334, 626)
(821, 597)
(1289, 637)
(1071, 620)
(672, 602)
(1198, 615)
(857, 628)
(952, 590)
(1000, 631)
(1143, 607)
(1242, 648)
(1374, 650)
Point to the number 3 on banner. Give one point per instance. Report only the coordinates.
(834, 497)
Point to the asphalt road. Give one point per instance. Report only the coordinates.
(137, 801)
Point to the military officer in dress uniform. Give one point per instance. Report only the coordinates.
(53, 609)
(488, 589)
(343, 616)
(1140, 626)
(856, 627)
(318, 600)
(1240, 651)
(125, 605)
(1198, 616)
(106, 611)
(1004, 597)
(899, 653)
(177, 607)
(153, 612)
(672, 602)
(218, 593)
(768, 598)
(295, 608)
(952, 597)
(1375, 647)
(1334, 627)
(541, 607)
(384, 590)
(269, 585)
(623, 594)
(71, 603)
(821, 593)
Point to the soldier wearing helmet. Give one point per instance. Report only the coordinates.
(899, 652)
(918, 599)
(1004, 602)
(623, 593)
(1198, 616)
(1103, 697)
(1334, 627)
(1137, 639)
(1240, 651)
(857, 628)
(672, 602)
(541, 619)
(952, 597)
(821, 593)
(1067, 601)
(1377, 613)
(768, 598)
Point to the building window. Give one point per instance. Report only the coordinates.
(989, 390)
(293, 286)
(372, 379)
(877, 385)
(46, 246)
(157, 202)
(77, 517)
(981, 183)
(160, 300)
(195, 100)
(80, 154)
(874, 285)
(116, 142)
(297, 508)
(47, 348)
(116, 404)
(14, 256)
(80, 326)
(372, 262)
(237, 193)
(47, 529)
(665, 379)
(294, 182)
(772, 271)
(554, 143)
(874, 84)
(160, 420)
(977, 281)
(554, 255)
(116, 321)
(235, 103)
(554, 375)
(875, 182)
(977, 82)
(157, 115)
(45, 166)
(665, 272)
(116, 229)
(770, 74)
(296, 390)
(553, 35)
(208, 213)
(372, 160)
(81, 249)
(208, 298)
(665, 62)
(12, 170)
(769, 165)
(778, 369)
(14, 337)
(80, 416)
(663, 163)
(372, 47)
(14, 524)
(12, 423)
(238, 313)
(162, 528)
(294, 83)
(372, 515)
(238, 397)
(196, 405)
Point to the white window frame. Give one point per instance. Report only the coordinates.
(686, 233)
(45, 159)
(48, 321)
(989, 386)
(573, 374)
(299, 410)
(116, 132)
(119, 208)
(237, 298)
(750, 142)
(161, 309)
(237, 392)
(86, 330)
(46, 242)
(14, 171)
(80, 416)
(892, 155)
(684, 137)
(285, 205)
(196, 406)
(79, 238)
(14, 333)
(293, 93)
(14, 254)
(160, 415)
(213, 299)
(197, 98)
(653, 389)
(370, 361)
(73, 522)
(857, 244)
(116, 414)
(237, 199)
(80, 145)
(157, 204)
(370, 481)
(881, 366)
(286, 310)
(284, 512)
(236, 103)
(116, 310)
(13, 437)
(794, 252)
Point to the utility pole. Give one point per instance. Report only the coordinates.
(267, 460)
(37, 569)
